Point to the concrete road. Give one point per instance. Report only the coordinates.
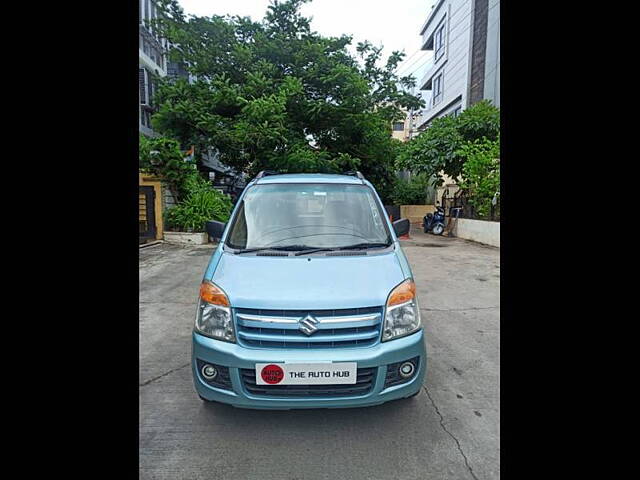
(451, 430)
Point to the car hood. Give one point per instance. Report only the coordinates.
(308, 282)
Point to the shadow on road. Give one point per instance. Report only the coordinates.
(299, 419)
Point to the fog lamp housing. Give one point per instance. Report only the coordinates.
(406, 370)
(209, 371)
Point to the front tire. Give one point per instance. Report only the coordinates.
(438, 229)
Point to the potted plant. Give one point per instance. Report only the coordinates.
(185, 222)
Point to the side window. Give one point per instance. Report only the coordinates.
(238, 238)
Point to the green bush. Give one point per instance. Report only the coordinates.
(162, 157)
(439, 149)
(481, 173)
(415, 191)
(202, 203)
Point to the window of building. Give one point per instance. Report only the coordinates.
(145, 117)
(438, 41)
(148, 87)
(142, 78)
(437, 88)
(398, 127)
(457, 111)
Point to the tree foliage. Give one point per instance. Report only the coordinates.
(197, 201)
(439, 149)
(162, 157)
(481, 173)
(411, 192)
(202, 203)
(276, 95)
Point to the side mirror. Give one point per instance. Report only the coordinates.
(215, 229)
(401, 227)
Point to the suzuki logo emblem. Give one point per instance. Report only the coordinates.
(308, 325)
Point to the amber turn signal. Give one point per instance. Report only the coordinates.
(210, 293)
(403, 293)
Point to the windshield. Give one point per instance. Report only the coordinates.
(308, 216)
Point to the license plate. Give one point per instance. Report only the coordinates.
(306, 373)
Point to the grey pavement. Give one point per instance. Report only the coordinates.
(451, 430)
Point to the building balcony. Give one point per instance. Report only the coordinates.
(150, 64)
(429, 26)
(430, 69)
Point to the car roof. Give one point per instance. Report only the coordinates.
(309, 178)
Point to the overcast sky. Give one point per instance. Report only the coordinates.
(393, 23)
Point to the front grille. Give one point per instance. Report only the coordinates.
(363, 385)
(354, 327)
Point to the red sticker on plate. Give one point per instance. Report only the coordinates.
(272, 374)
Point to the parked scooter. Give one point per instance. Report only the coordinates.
(434, 222)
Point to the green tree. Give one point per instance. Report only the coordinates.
(276, 95)
(439, 149)
(196, 200)
(411, 192)
(162, 157)
(481, 173)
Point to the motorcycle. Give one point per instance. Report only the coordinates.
(434, 222)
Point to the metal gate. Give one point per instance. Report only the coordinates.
(146, 213)
(460, 201)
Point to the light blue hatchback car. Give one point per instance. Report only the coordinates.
(308, 300)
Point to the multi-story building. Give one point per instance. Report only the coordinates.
(464, 36)
(152, 61)
(404, 129)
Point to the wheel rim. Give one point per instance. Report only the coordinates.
(437, 229)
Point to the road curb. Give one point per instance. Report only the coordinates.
(151, 244)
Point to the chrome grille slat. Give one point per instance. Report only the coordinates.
(264, 318)
(336, 328)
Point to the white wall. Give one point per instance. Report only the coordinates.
(479, 231)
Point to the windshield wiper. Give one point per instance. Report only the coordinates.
(365, 245)
(314, 250)
(285, 248)
(357, 246)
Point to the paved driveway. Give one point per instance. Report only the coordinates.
(451, 430)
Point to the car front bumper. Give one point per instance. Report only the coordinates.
(237, 357)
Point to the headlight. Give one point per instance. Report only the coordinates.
(403, 312)
(213, 317)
